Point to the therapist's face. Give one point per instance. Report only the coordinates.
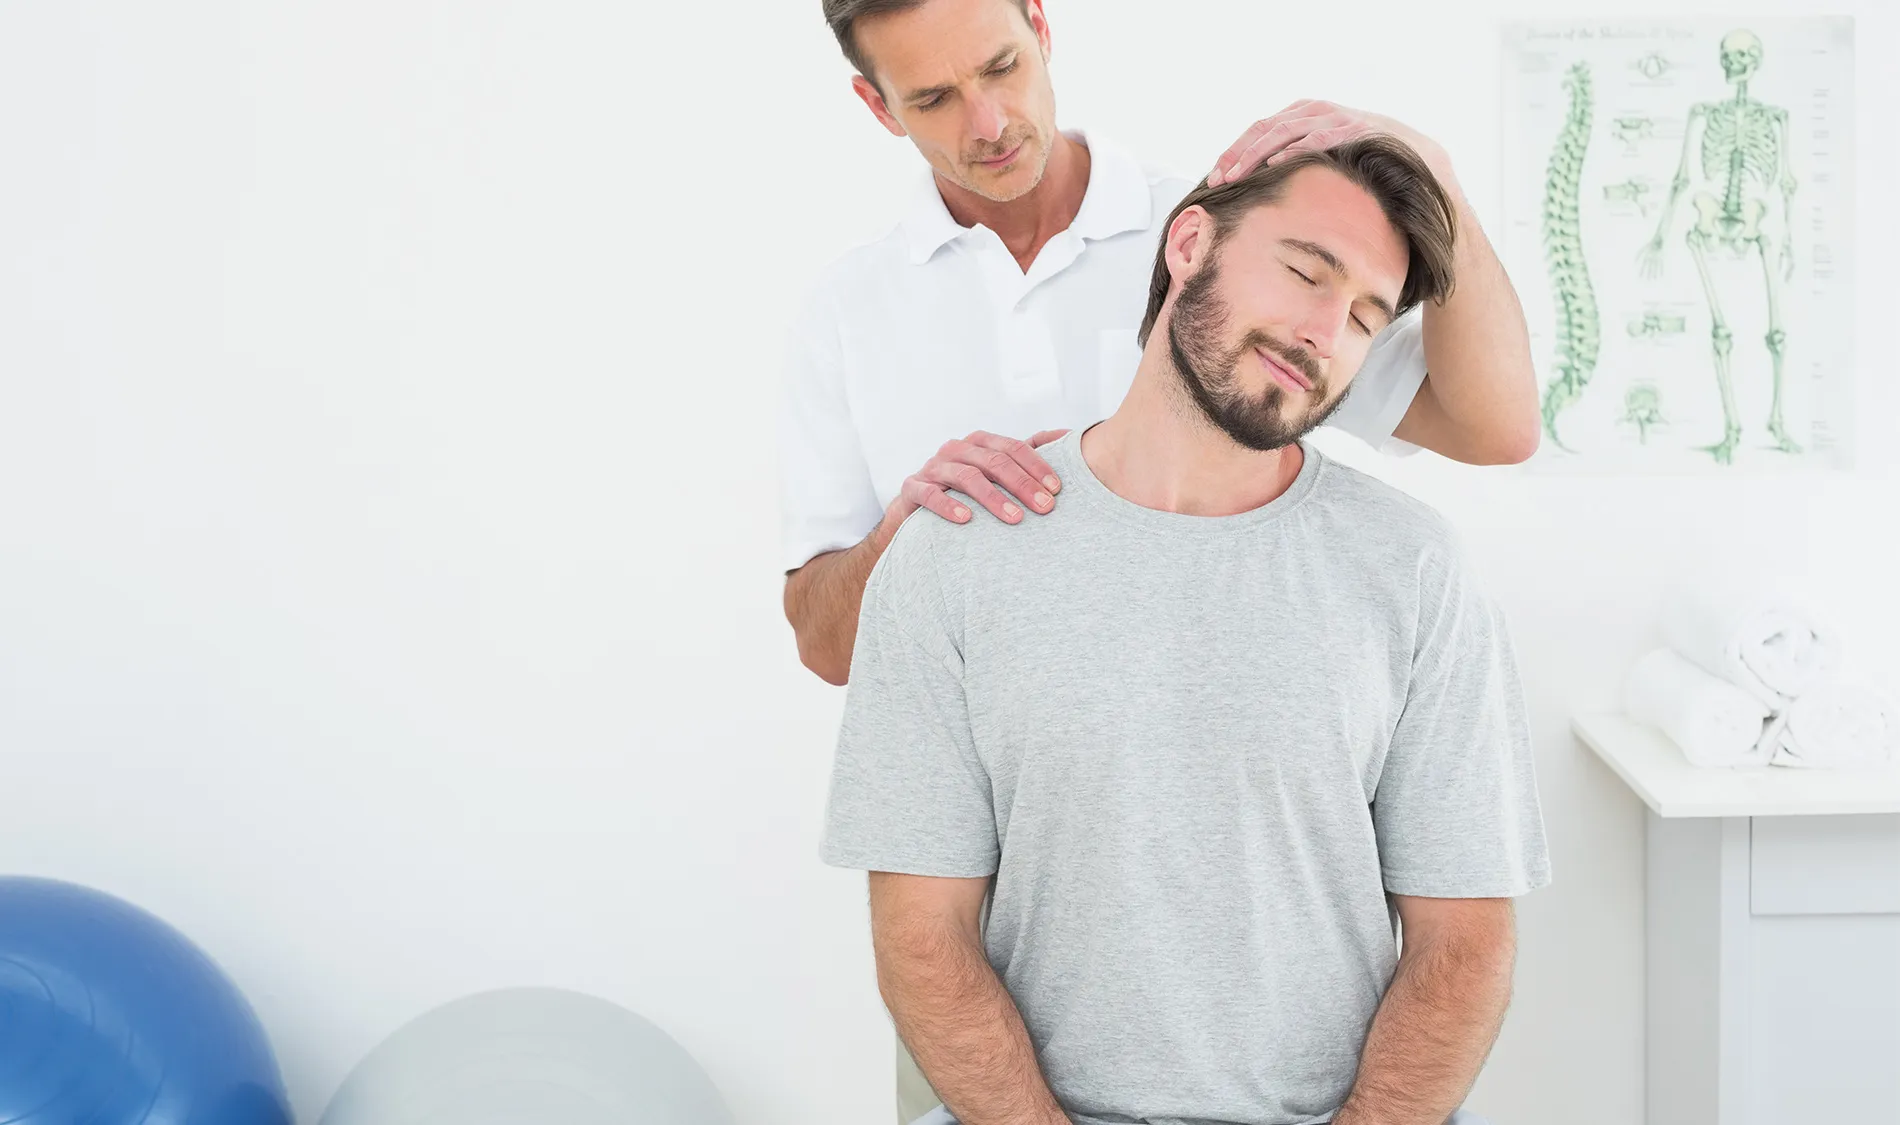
(1263, 310)
(968, 82)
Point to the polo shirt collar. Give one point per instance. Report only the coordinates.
(1116, 200)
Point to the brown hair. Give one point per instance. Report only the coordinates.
(843, 16)
(1385, 167)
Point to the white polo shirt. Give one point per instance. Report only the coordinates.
(934, 331)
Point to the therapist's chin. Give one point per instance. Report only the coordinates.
(1001, 183)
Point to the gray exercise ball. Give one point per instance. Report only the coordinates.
(522, 1056)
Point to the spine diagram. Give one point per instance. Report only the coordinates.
(1577, 325)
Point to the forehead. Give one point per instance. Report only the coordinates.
(1319, 205)
(938, 41)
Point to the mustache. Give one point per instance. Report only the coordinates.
(1294, 356)
(1003, 145)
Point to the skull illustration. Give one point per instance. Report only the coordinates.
(1741, 55)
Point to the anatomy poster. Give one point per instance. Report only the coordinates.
(1679, 224)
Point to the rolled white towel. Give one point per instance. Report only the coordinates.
(1835, 726)
(1713, 721)
(1762, 642)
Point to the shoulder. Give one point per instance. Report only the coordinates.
(1370, 511)
(921, 573)
(1166, 190)
(849, 277)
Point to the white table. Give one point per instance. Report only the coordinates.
(1773, 936)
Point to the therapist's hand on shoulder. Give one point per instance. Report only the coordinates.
(989, 469)
(1312, 124)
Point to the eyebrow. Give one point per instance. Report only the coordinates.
(929, 92)
(1333, 263)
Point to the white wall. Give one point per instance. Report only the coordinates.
(387, 513)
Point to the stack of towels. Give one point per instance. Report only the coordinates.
(1749, 678)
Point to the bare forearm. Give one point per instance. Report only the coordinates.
(1432, 1033)
(963, 1029)
(822, 600)
(1477, 350)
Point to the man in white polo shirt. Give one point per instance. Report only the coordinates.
(1001, 307)
(1004, 308)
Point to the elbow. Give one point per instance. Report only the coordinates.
(1499, 447)
(823, 666)
(1509, 438)
(821, 658)
(1518, 445)
(813, 653)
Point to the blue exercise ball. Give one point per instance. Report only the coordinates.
(108, 1016)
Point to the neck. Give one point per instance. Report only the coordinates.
(1160, 451)
(1033, 218)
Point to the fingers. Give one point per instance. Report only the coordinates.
(1267, 136)
(1044, 437)
(972, 482)
(976, 466)
(924, 494)
(983, 461)
(1026, 468)
(1319, 139)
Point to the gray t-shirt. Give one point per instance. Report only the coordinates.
(1196, 753)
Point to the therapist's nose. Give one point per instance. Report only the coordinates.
(987, 120)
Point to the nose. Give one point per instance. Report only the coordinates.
(987, 119)
(1320, 330)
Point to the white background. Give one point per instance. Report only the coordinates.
(387, 507)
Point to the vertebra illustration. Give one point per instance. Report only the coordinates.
(1577, 326)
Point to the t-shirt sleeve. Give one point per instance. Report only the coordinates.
(1456, 810)
(908, 792)
(826, 498)
(1387, 383)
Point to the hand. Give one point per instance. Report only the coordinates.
(1309, 124)
(1787, 259)
(976, 466)
(1650, 258)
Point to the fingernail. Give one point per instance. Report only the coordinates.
(1052, 484)
(1012, 511)
(1043, 500)
(962, 513)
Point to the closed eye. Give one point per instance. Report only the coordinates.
(1356, 322)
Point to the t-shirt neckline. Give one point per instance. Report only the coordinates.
(1078, 478)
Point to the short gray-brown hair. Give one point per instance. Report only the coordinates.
(843, 16)
(1413, 201)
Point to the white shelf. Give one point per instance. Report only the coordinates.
(1655, 769)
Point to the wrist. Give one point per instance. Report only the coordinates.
(893, 518)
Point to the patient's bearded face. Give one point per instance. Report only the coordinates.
(1221, 364)
(1269, 330)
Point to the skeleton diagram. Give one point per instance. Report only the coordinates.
(1744, 160)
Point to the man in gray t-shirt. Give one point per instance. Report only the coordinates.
(1209, 731)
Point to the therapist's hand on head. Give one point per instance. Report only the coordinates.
(989, 469)
(1312, 124)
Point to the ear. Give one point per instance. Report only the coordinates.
(874, 101)
(1038, 23)
(1189, 238)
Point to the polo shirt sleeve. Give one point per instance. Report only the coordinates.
(826, 499)
(1456, 810)
(909, 793)
(1387, 383)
